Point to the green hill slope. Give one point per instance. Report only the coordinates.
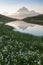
(5, 19)
(36, 19)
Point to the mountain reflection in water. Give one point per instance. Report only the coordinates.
(28, 28)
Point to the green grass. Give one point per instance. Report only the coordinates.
(36, 19)
(5, 19)
(19, 49)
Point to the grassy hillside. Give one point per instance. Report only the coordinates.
(19, 49)
(5, 19)
(36, 19)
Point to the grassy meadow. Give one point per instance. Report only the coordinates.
(19, 48)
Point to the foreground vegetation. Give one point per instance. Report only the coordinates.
(19, 49)
(36, 19)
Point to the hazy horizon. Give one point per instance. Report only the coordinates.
(11, 6)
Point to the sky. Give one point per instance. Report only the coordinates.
(11, 6)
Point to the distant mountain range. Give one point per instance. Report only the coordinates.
(34, 19)
(23, 13)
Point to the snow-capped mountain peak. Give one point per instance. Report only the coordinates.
(23, 13)
(23, 9)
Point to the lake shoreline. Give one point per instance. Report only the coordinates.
(28, 28)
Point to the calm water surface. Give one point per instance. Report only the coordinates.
(28, 28)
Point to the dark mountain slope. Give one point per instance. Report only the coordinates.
(5, 19)
(36, 19)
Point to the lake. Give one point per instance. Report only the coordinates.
(28, 28)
